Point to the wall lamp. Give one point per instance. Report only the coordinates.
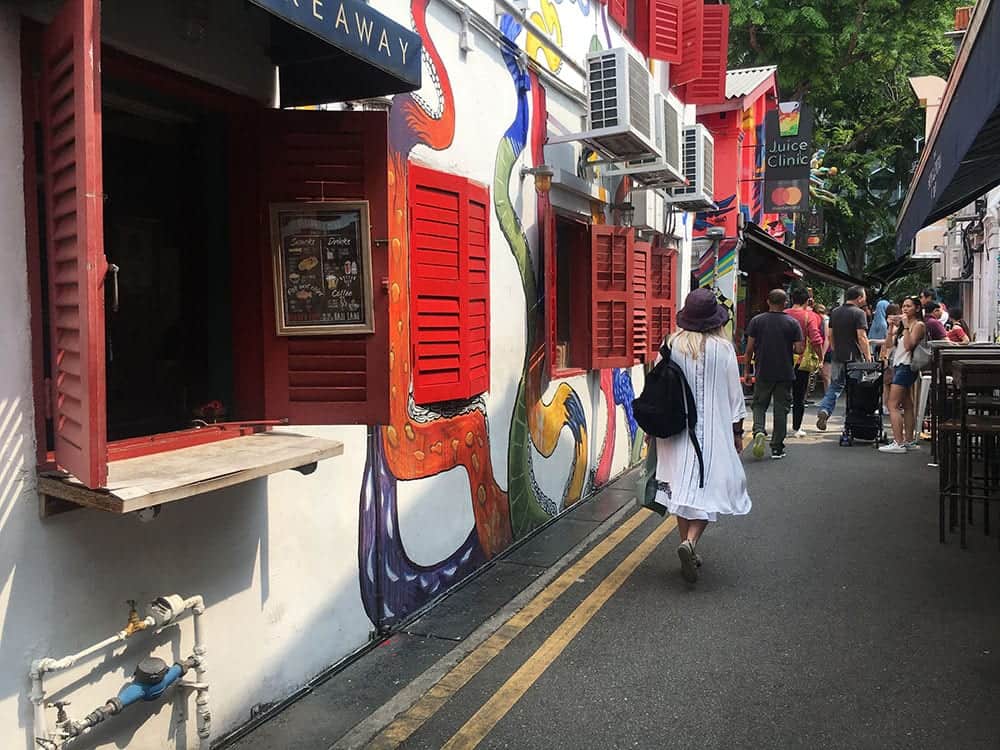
(543, 175)
(626, 211)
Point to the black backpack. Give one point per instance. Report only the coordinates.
(666, 405)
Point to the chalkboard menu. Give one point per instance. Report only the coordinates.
(322, 268)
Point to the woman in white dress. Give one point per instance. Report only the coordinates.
(709, 363)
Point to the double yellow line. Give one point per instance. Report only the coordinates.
(476, 728)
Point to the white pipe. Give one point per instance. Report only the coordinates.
(39, 667)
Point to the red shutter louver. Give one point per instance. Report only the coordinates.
(449, 286)
(476, 316)
(666, 30)
(710, 87)
(611, 288)
(640, 296)
(662, 300)
(71, 122)
(321, 157)
(692, 21)
(618, 10)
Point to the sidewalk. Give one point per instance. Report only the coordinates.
(830, 617)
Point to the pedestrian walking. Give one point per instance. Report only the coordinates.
(708, 360)
(773, 340)
(848, 340)
(885, 354)
(906, 331)
(824, 317)
(879, 327)
(810, 360)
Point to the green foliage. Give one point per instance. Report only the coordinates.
(851, 61)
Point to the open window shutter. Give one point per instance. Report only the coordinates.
(325, 156)
(436, 290)
(71, 121)
(618, 10)
(692, 21)
(710, 86)
(611, 296)
(476, 312)
(662, 300)
(666, 30)
(640, 300)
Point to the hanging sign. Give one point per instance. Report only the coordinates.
(788, 151)
(322, 268)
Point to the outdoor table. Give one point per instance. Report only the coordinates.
(981, 378)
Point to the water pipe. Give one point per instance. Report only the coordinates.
(163, 611)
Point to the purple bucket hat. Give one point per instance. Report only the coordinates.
(702, 312)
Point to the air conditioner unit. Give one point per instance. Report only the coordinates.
(620, 105)
(665, 169)
(698, 168)
(648, 210)
(952, 260)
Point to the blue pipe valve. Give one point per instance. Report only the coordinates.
(152, 676)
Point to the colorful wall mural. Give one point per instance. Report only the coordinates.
(420, 444)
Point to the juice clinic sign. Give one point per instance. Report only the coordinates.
(788, 151)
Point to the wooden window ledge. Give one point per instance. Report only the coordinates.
(138, 483)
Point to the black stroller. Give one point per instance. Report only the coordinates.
(863, 421)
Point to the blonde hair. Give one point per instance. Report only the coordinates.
(692, 343)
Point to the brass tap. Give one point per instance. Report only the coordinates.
(135, 623)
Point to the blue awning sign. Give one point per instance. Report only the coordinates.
(359, 30)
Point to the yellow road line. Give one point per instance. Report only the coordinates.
(432, 701)
(476, 728)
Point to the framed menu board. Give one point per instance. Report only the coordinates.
(322, 268)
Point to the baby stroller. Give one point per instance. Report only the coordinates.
(863, 421)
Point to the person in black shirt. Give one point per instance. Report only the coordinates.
(849, 343)
(773, 340)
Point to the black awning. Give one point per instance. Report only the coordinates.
(899, 267)
(339, 50)
(756, 238)
(962, 157)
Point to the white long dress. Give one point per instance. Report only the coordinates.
(715, 381)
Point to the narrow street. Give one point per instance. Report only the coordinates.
(830, 617)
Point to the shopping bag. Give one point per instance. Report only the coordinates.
(646, 486)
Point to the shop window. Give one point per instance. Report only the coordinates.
(594, 297)
(158, 308)
(449, 285)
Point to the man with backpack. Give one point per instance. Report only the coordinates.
(773, 341)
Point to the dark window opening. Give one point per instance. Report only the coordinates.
(572, 292)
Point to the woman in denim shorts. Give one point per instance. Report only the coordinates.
(905, 332)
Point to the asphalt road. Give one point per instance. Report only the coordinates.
(830, 617)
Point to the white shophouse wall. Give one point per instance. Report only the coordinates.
(276, 560)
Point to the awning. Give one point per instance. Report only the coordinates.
(756, 240)
(962, 158)
(338, 50)
(899, 267)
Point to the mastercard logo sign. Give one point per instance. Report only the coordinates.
(786, 196)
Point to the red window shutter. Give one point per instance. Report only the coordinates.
(618, 10)
(662, 297)
(325, 156)
(640, 304)
(666, 30)
(476, 315)
(71, 122)
(449, 286)
(435, 284)
(710, 87)
(692, 21)
(611, 296)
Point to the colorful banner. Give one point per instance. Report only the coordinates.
(789, 131)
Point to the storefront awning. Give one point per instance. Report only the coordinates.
(338, 50)
(902, 266)
(756, 240)
(962, 158)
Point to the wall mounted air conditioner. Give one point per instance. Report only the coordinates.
(698, 168)
(665, 169)
(648, 210)
(620, 105)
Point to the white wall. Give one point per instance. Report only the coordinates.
(277, 560)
